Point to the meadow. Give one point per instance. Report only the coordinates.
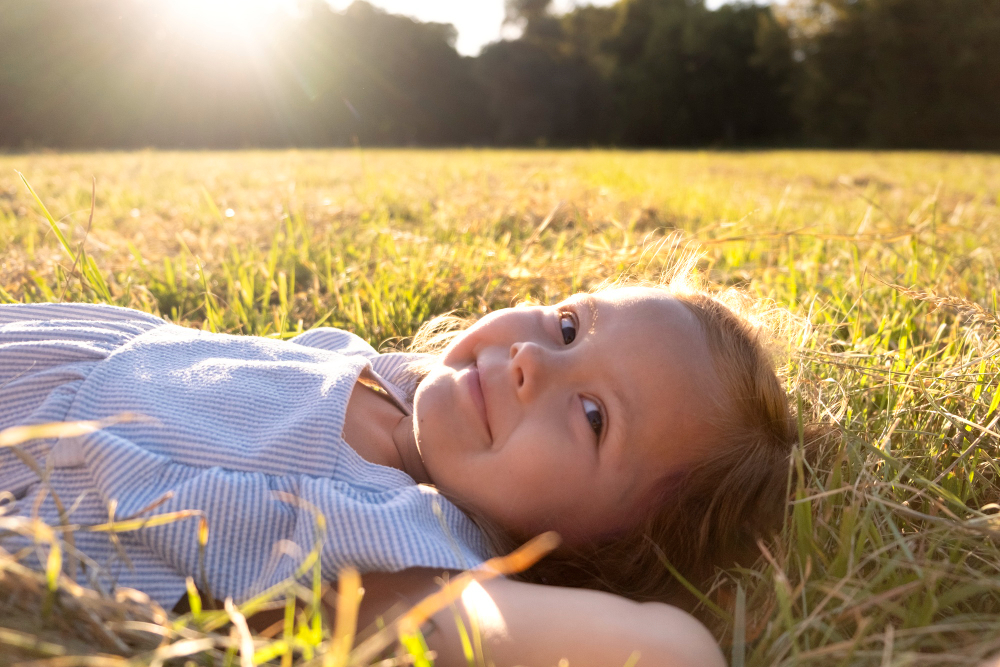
(890, 554)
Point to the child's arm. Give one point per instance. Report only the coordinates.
(537, 626)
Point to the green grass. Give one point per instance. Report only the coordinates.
(890, 553)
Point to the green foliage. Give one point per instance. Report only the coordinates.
(687, 75)
(899, 73)
(890, 553)
(643, 72)
(882, 73)
(117, 73)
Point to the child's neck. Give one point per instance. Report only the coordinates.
(382, 433)
(405, 440)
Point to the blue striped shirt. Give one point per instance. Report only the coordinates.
(230, 421)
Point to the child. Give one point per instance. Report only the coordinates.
(641, 423)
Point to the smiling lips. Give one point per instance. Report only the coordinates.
(476, 392)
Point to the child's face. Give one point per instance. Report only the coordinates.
(567, 417)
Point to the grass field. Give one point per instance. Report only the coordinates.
(890, 555)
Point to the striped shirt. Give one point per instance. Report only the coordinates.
(229, 421)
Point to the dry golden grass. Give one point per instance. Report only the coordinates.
(890, 553)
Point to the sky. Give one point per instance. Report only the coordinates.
(478, 22)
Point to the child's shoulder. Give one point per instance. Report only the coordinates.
(336, 340)
(402, 369)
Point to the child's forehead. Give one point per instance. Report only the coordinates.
(669, 384)
(624, 294)
(652, 313)
(636, 306)
(656, 339)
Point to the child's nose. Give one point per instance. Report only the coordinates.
(527, 361)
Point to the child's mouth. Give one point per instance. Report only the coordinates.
(475, 388)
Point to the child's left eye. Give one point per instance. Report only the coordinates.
(567, 324)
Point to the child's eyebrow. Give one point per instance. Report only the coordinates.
(591, 303)
(626, 417)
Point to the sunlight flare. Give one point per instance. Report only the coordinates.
(221, 22)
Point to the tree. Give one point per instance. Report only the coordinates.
(112, 73)
(542, 88)
(899, 73)
(687, 75)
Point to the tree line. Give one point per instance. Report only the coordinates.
(839, 73)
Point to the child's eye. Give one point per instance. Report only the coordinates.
(567, 324)
(594, 416)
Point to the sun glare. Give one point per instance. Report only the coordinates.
(221, 23)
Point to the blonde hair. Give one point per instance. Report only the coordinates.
(711, 514)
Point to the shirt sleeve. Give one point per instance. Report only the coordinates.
(336, 340)
(403, 369)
